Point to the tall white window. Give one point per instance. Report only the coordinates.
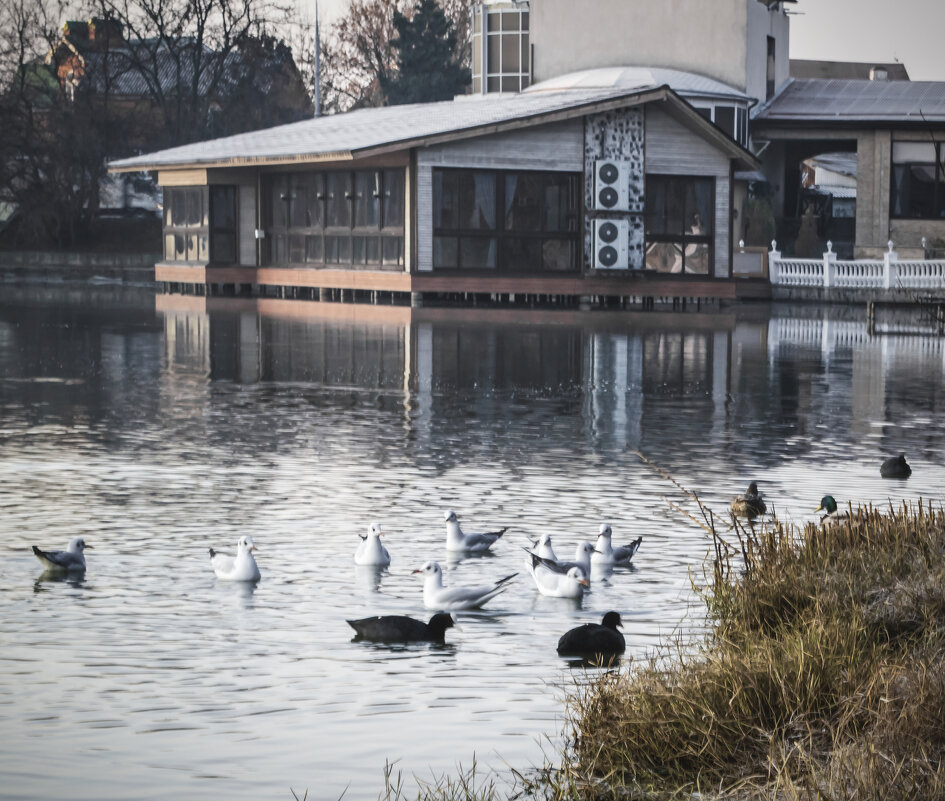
(501, 55)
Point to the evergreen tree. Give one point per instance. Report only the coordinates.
(427, 68)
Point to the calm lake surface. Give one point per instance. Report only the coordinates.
(157, 427)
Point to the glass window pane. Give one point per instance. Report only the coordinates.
(372, 250)
(725, 119)
(523, 255)
(223, 207)
(331, 249)
(477, 200)
(697, 259)
(477, 254)
(920, 152)
(699, 207)
(493, 20)
(510, 21)
(493, 85)
(524, 20)
(393, 216)
(313, 249)
(558, 255)
(511, 84)
(445, 199)
(193, 213)
(523, 193)
(511, 54)
(664, 257)
(357, 249)
(296, 249)
(445, 251)
(169, 253)
(367, 191)
(494, 54)
(336, 197)
(180, 247)
(393, 247)
(280, 201)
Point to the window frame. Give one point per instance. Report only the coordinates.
(464, 241)
(683, 240)
(331, 236)
(938, 181)
(195, 235)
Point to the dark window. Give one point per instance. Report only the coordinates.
(343, 218)
(223, 228)
(522, 222)
(725, 119)
(680, 219)
(186, 224)
(918, 181)
(771, 64)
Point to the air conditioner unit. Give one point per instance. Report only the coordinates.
(611, 185)
(611, 244)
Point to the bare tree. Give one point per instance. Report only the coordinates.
(357, 56)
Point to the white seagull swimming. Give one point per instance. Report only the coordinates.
(583, 552)
(542, 547)
(242, 567)
(607, 554)
(558, 582)
(370, 551)
(452, 599)
(72, 559)
(456, 540)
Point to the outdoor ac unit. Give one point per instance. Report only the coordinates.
(611, 244)
(611, 185)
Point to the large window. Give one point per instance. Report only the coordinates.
(501, 58)
(200, 224)
(918, 180)
(680, 219)
(515, 221)
(344, 218)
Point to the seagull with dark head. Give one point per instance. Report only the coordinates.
(71, 560)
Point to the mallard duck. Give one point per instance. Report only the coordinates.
(833, 516)
(749, 505)
(895, 467)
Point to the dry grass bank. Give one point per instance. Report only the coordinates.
(823, 677)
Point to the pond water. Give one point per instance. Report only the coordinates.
(157, 427)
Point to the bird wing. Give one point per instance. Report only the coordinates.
(222, 563)
(59, 560)
(625, 552)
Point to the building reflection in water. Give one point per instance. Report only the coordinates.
(745, 372)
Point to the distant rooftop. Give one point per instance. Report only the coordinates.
(857, 101)
(845, 70)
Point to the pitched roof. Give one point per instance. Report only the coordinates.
(374, 131)
(857, 101)
(810, 68)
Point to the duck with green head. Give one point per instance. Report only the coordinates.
(833, 515)
(749, 505)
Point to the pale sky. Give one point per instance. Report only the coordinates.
(912, 31)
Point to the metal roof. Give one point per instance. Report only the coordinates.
(852, 101)
(377, 130)
(845, 70)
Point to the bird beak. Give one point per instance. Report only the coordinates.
(594, 550)
(418, 570)
(254, 548)
(89, 548)
(585, 583)
(819, 508)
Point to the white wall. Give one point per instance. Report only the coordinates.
(708, 38)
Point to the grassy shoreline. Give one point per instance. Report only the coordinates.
(822, 677)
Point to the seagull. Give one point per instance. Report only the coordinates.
(606, 554)
(436, 596)
(71, 559)
(556, 581)
(400, 628)
(595, 639)
(468, 543)
(542, 547)
(895, 467)
(582, 558)
(749, 505)
(370, 551)
(242, 567)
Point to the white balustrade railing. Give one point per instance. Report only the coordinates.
(886, 273)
